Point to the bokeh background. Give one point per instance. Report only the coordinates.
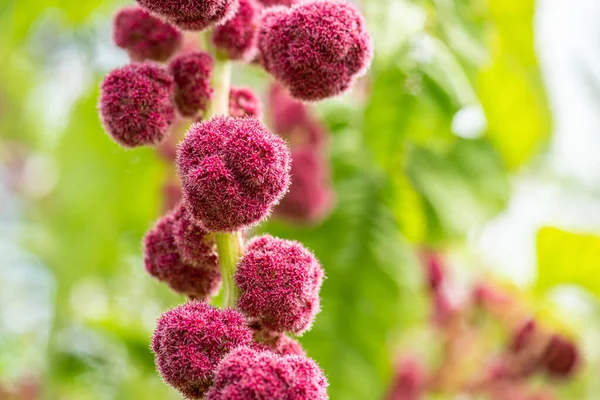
(475, 135)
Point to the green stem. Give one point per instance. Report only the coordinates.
(229, 247)
(221, 83)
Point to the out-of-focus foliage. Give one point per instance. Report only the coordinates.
(421, 153)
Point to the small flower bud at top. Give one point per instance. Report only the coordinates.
(193, 15)
(279, 282)
(190, 341)
(249, 374)
(233, 172)
(243, 102)
(191, 74)
(237, 37)
(163, 261)
(316, 48)
(144, 36)
(135, 104)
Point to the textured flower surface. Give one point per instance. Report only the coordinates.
(315, 48)
(237, 37)
(164, 262)
(262, 375)
(276, 342)
(144, 36)
(191, 74)
(193, 15)
(279, 283)
(233, 172)
(243, 102)
(191, 340)
(195, 244)
(268, 3)
(135, 104)
(310, 197)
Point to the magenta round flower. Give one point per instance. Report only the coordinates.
(561, 357)
(243, 102)
(315, 48)
(191, 74)
(262, 375)
(135, 104)
(310, 198)
(144, 36)
(194, 243)
(279, 282)
(191, 340)
(237, 37)
(163, 261)
(233, 172)
(194, 15)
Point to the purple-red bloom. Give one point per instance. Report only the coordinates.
(249, 374)
(310, 198)
(191, 340)
(135, 104)
(561, 357)
(191, 74)
(243, 102)
(194, 15)
(193, 242)
(164, 262)
(279, 282)
(315, 48)
(144, 36)
(233, 172)
(237, 37)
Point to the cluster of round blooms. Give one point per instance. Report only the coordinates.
(233, 172)
(315, 48)
(144, 36)
(310, 198)
(193, 15)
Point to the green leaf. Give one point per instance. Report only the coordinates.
(568, 258)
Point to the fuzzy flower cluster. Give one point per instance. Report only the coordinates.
(279, 283)
(191, 76)
(135, 104)
(182, 255)
(144, 36)
(315, 48)
(310, 198)
(195, 15)
(250, 374)
(237, 37)
(233, 172)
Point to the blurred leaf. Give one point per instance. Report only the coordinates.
(568, 258)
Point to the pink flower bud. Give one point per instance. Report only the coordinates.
(409, 380)
(233, 172)
(135, 104)
(243, 102)
(434, 270)
(310, 198)
(315, 48)
(193, 242)
(163, 262)
(144, 36)
(191, 74)
(279, 282)
(193, 15)
(237, 37)
(191, 340)
(561, 357)
(249, 374)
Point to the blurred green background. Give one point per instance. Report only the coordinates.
(474, 133)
